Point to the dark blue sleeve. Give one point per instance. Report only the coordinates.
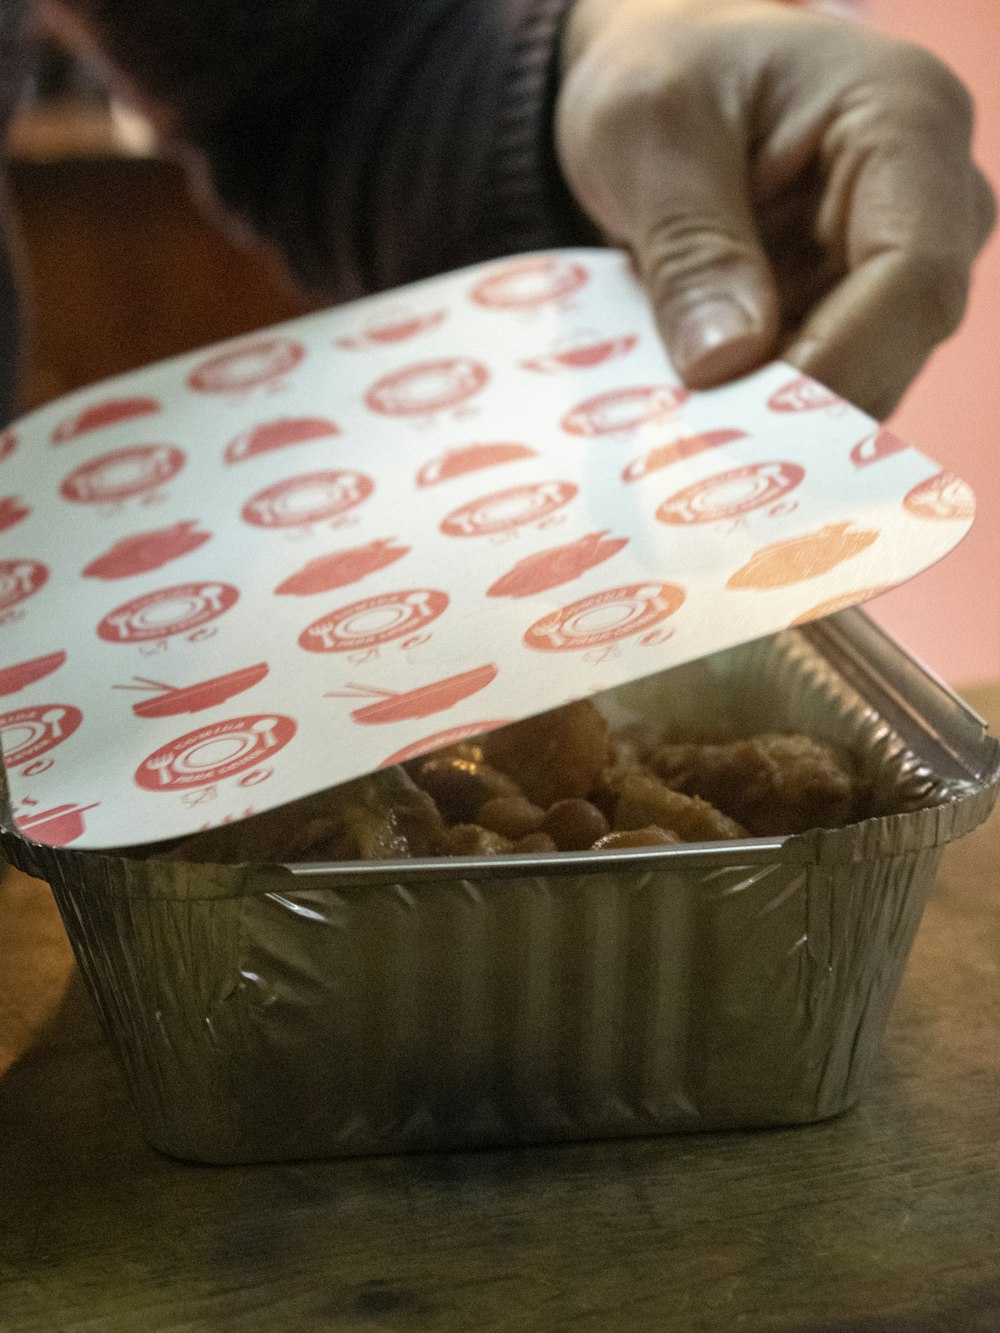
(369, 142)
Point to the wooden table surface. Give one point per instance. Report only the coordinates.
(885, 1221)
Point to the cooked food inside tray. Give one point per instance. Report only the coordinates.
(559, 782)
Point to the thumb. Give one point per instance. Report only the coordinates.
(697, 249)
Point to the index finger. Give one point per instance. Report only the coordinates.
(909, 219)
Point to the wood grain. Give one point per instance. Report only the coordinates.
(885, 1221)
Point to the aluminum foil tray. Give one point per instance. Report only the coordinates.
(265, 1012)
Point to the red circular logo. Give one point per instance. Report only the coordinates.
(623, 409)
(504, 510)
(167, 611)
(8, 443)
(122, 474)
(19, 579)
(605, 617)
(29, 732)
(311, 498)
(523, 284)
(732, 493)
(431, 386)
(802, 395)
(941, 497)
(247, 366)
(441, 738)
(214, 752)
(376, 620)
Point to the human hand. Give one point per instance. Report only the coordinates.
(787, 183)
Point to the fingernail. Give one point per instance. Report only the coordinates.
(705, 328)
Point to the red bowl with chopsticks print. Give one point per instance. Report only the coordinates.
(451, 736)
(471, 458)
(392, 331)
(57, 827)
(425, 700)
(581, 356)
(873, 448)
(172, 701)
(146, 551)
(99, 416)
(341, 568)
(22, 674)
(11, 511)
(665, 455)
(556, 565)
(272, 435)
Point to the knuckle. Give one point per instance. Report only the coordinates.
(986, 205)
(939, 284)
(643, 96)
(630, 81)
(931, 86)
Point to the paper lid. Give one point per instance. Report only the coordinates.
(240, 576)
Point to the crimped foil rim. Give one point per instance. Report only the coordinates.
(851, 647)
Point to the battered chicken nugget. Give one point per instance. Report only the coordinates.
(636, 837)
(643, 801)
(474, 840)
(461, 786)
(553, 756)
(375, 818)
(772, 783)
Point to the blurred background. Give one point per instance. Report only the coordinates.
(122, 268)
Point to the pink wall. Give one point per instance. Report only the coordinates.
(950, 616)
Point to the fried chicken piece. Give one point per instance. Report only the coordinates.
(574, 824)
(474, 840)
(653, 836)
(627, 749)
(375, 818)
(535, 842)
(512, 816)
(554, 756)
(644, 800)
(461, 786)
(772, 783)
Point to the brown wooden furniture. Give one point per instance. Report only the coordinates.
(884, 1221)
(119, 265)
